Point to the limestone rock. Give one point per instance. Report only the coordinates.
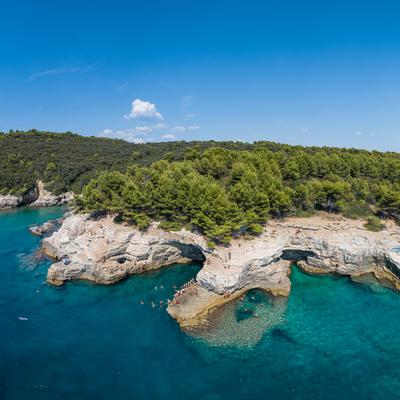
(104, 252)
(192, 305)
(48, 199)
(9, 201)
(46, 228)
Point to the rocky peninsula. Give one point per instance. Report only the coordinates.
(102, 251)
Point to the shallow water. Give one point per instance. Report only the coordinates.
(332, 339)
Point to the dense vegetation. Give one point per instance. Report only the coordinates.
(66, 161)
(223, 193)
(219, 188)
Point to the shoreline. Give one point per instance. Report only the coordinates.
(101, 251)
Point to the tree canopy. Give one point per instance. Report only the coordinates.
(66, 161)
(224, 193)
(222, 189)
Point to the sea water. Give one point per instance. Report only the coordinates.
(332, 339)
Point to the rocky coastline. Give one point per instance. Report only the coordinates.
(102, 251)
(38, 196)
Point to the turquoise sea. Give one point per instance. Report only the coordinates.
(332, 339)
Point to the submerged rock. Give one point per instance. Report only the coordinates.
(46, 228)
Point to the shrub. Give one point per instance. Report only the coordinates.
(356, 211)
(211, 244)
(170, 226)
(374, 224)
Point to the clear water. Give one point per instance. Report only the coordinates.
(332, 339)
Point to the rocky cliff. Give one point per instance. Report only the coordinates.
(105, 252)
(48, 199)
(10, 201)
(38, 196)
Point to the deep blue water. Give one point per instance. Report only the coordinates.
(332, 339)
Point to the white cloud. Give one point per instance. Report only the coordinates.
(168, 136)
(304, 130)
(142, 129)
(189, 116)
(358, 133)
(58, 71)
(130, 135)
(178, 129)
(143, 110)
(160, 125)
(193, 128)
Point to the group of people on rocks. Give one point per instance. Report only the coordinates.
(187, 284)
(177, 295)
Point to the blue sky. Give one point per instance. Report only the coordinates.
(298, 72)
